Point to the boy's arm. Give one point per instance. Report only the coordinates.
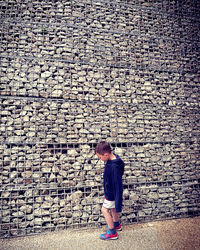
(117, 187)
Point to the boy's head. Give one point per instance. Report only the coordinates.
(103, 151)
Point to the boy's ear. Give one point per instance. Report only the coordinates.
(106, 154)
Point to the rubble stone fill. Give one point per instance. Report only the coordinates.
(73, 73)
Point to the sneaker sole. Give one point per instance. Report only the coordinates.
(114, 238)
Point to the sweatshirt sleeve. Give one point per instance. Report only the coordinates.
(117, 187)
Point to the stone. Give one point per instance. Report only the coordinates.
(57, 93)
(153, 196)
(72, 152)
(13, 174)
(155, 158)
(38, 221)
(26, 174)
(119, 151)
(65, 105)
(126, 194)
(163, 196)
(5, 194)
(138, 149)
(102, 92)
(46, 74)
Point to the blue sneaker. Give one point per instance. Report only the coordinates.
(109, 236)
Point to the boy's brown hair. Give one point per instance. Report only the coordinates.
(102, 148)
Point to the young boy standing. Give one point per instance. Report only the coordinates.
(113, 190)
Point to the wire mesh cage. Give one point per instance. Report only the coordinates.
(73, 73)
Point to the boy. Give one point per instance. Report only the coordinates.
(113, 190)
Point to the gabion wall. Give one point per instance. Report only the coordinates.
(77, 72)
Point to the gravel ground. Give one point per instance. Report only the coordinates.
(179, 234)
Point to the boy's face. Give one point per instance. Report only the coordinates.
(105, 157)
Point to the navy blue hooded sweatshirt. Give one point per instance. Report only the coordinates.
(112, 182)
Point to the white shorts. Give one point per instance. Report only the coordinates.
(108, 204)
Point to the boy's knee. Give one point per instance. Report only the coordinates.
(113, 210)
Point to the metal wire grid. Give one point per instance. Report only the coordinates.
(79, 10)
(42, 165)
(96, 46)
(93, 14)
(45, 155)
(42, 121)
(48, 149)
(49, 209)
(54, 79)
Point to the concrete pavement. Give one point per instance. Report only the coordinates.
(179, 234)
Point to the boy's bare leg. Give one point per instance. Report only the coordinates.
(115, 215)
(108, 217)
